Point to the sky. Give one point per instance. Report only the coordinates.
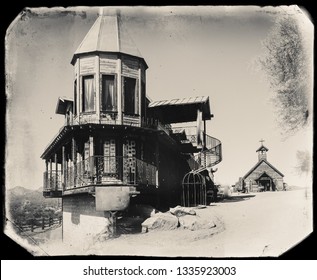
(191, 51)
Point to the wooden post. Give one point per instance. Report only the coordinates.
(140, 95)
(51, 175)
(63, 168)
(43, 222)
(71, 116)
(204, 136)
(74, 159)
(91, 157)
(119, 90)
(97, 71)
(113, 224)
(56, 172)
(157, 161)
(46, 175)
(78, 85)
(69, 172)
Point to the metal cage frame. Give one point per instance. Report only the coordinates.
(194, 190)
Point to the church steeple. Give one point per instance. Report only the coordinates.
(262, 151)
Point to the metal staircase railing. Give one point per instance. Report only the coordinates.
(210, 152)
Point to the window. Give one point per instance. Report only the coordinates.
(88, 101)
(109, 93)
(143, 100)
(75, 97)
(130, 96)
(109, 151)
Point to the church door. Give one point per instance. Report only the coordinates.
(265, 183)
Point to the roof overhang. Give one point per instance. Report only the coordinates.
(62, 104)
(67, 132)
(180, 110)
(120, 54)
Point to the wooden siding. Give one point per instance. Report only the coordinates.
(130, 67)
(75, 68)
(263, 167)
(108, 64)
(87, 65)
(131, 120)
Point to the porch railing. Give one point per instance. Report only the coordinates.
(112, 120)
(102, 170)
(52, 181)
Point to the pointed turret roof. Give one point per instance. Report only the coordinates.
(108, 35)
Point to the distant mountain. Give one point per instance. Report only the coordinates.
(21, 195)
(19, 191)
(24, 206)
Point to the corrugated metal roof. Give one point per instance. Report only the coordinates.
(181, 101)
(108, 35)
(180, 110)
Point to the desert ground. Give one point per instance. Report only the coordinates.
(248, 225)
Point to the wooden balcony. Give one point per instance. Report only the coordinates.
(52, 186)
(99, 171)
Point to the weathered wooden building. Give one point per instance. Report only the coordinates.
(263, 176)
(116, 147)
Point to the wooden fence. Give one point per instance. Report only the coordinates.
(39, 223)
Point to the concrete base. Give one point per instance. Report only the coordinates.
(81, 222)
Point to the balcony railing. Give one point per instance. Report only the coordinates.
(113, 120)
(102, 170)
(52, 181)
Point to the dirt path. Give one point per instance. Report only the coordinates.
(261, 224)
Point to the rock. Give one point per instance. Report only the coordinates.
(195, 223)
(180, 211)
(160, 221)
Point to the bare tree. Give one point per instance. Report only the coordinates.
(286, 64)
(304, 162)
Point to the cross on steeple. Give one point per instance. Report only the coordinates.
(261, 141)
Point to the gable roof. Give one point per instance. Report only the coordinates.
(107, 35)
(262, 148)
(258, 164)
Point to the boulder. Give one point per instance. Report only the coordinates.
(195, 222)
(160, 221)
(180, 211)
